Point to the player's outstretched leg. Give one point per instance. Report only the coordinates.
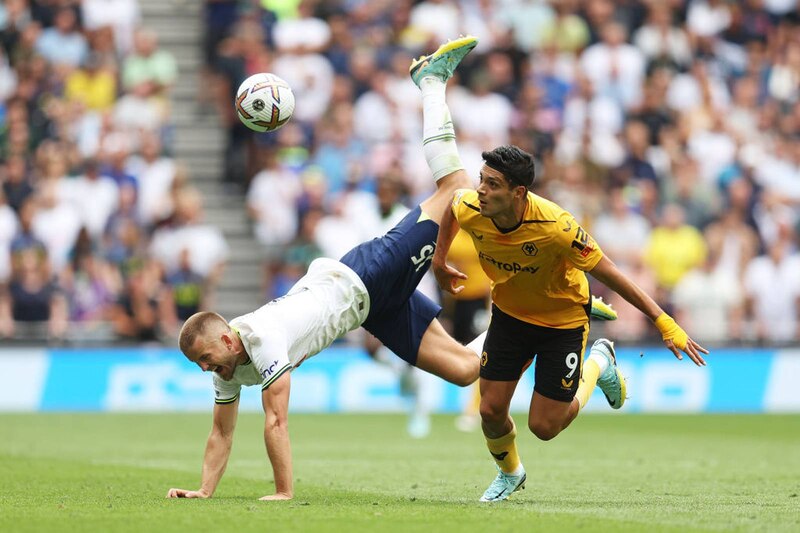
(611, 380)
(431, 73)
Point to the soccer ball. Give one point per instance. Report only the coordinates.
(264, 102)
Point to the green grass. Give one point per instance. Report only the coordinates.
(100, 473)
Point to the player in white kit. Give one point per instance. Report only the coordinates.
(373, 285)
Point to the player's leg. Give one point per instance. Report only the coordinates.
(557, 400)
(441, 355)
(501, 438)
(431, 73)
(506, 354)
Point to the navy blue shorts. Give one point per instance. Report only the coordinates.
(391, 267)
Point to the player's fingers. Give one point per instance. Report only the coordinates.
(699, 348)
(673, 349)
(694, 353)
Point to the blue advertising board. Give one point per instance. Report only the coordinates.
(344, 379)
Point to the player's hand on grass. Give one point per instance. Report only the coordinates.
(183, 493)
(447, 277)
(676, 339)
(276, 496)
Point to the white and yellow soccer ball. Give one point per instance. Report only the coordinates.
(264, 102)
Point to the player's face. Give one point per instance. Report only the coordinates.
(495, 196)
(214, 355)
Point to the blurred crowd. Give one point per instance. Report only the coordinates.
(99, 227)
(670, 128)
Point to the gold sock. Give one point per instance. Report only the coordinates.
(589, 377)
(504, 451)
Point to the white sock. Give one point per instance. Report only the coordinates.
(517, 471)
(438, 134)
(601, 360)
(477, 344)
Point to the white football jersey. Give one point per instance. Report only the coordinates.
(323, 305)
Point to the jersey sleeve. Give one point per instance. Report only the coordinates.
(460, 203)
(271, 359)
(579, 247)
(225, 391)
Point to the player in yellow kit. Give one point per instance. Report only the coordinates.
(536, 255)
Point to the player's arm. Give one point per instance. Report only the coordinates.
(218, 450)
(275, 400)
(675, 338)
(446, 276)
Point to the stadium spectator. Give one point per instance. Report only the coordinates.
(615, 67)
(8, 228)
(63, 44)
(184, 294)
(122, 16)
(56, 222)
(621, 232)
(156, 174)
(16, 186)
(663, 44)
(772, 290)
(674, 247)
(272, 204)
(148, 67)
(205, 243)
(136, 314)
(92, 85)
(94, 195)
(90, 285)
(707, 299)
(33, 299)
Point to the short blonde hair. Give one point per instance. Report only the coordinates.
(197, 325)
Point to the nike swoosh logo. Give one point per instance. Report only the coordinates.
(499, 456)
(569, 227)
(477, 235)
(509, 490)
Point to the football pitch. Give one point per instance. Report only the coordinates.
(83, 472)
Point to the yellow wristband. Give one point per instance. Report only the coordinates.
(670, 330)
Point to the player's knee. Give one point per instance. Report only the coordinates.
(468, 372)
(543, 429)
(493, 415)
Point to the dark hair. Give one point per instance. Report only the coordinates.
(515, 164)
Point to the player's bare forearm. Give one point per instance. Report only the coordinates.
(218, 450)
(674, 337)
(446, 276)
(448, 228)
(607, 273)
(275, 400)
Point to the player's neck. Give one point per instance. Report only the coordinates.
(241, 354)
(512, 217)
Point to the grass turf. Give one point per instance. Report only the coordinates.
(79, 472)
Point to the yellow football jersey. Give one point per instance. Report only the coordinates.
(537, 268)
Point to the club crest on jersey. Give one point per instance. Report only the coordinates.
(530, 249)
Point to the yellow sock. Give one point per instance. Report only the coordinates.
(589, 376)
(504, 451)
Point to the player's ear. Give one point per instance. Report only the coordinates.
(227, 340)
